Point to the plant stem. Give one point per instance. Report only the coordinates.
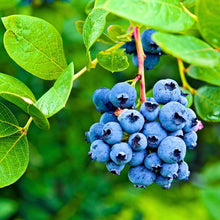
(141, 57)
(25, 129)
(183, 77)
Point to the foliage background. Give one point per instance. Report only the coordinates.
(61, 182)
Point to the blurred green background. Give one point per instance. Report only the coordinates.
(61, 182)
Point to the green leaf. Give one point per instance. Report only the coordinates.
(208, 21)
(8, 122)
(55, 99)
(189, 3)
(117, 33)
(114, 60)
(94, 26)
(149, 93)
(5, 4)
(35, 45)
(89, 6)
(14, 157)
(207, 103)
(79, 26)
(19, 94)
(209, 75)
(190, 49)
(166, 15)
(189, 97)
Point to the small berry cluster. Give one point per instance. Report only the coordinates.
(151, 50)
(152, 141)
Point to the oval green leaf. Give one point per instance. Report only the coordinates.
(207, 103)
(166, 15)
(190, 49)
(114, 60)
(208, 21)
(8, 122)
(209, 75)
(19, 94)
(14, 157)
(35, 45)
(55, 99)
(117, 33)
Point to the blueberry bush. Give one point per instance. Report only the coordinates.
(161, 60)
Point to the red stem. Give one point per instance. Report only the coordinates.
(141, 57)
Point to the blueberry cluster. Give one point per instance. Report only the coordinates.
(151, 50)
(38, 2)
(152, 140)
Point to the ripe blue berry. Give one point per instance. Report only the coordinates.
(95, 131)
(150, 110)
(169, 170)
(164, 182)
(108, 117)
(99, 151)
(178, 133)
(166, 90)
(131, 121)
(190, 139)
(183, 100)
(152, 162)
(101, 100)
(172, 149)
(173, 116)
(130, 47)
(141, 176)
(154, 133)
(112, 133)
(191, 120)
(137, 141)
(137, 157)
(114, 168)
(183, 172)
(121, 153)
(123, 95)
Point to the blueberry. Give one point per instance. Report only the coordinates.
(101, 100)
(87, 137)
(178, 133)
(99, 151)
(150, 110)
(123, 95)
(137, 141)
(108, 117)
(173, 116)
(95, 131)
(183, 172)
(172, 149)
(112, 133)
(114, 168)
(121, 153)
(130, 47)
(164, 182)
(152, 162)
(183, 100)
(148, 44)
(141, 176)
(154, 133)
(166, 90)
(138, 157)
(131, 121)
(190, 139)
(169, 170)
(191, 120)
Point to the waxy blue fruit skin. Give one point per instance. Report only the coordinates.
(130, 47)
(140, 176)
(183, 100)
(95, 131)
(169, 170)
(114, 168)
(148, 44)
(152, 162)
(166, 90)
(172, 116)
(108, 117)
(112, 133)
(87, 137)
(178, 133)
(137, 158)
(99, 151)
(131, 121)
(154, 133)
(150, 110)
(101, 100)
(121, 153)
(137, 141)
(172, 149)
(183, 172)
(164, 182)
(123, 95)
(190, 139)
(191, 120)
